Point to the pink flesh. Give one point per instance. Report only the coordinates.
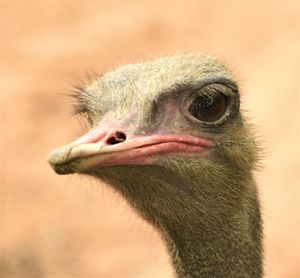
(144, 154)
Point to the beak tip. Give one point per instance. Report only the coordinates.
(62, 169)
(56, 159)
(58, 156)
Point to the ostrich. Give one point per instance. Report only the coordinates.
(168, 135)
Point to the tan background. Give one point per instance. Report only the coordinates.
(65, 226)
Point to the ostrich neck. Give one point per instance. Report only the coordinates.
(217, 235)
(232, 249)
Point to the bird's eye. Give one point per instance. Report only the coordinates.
(209, 108)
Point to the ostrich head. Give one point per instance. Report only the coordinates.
(168, 135)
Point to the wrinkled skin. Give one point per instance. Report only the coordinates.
(191, 179)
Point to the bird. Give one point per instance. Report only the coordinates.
(168, 135)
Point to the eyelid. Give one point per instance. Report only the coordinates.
(213, 90)
(191, 94)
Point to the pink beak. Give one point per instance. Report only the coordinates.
(104, 147)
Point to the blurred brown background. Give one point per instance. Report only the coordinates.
(65, 226)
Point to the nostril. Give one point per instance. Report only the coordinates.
(120, 136)
(117, 138)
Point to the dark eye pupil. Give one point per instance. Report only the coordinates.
(209, 108)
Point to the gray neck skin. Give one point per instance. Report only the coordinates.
(217, 236)
(230, 249)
